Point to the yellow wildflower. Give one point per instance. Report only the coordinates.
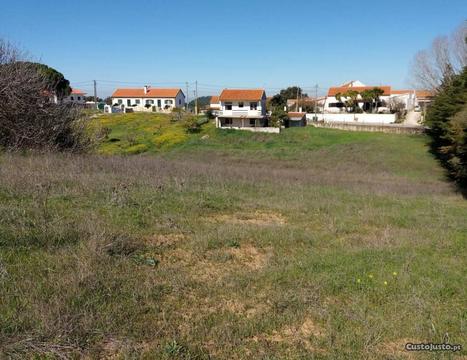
(370, 276)
(394, 273)
(359, 281)
(385, 283)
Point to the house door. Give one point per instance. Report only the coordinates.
(159, 103)
(128, 102)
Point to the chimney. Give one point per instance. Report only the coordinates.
(146, 89)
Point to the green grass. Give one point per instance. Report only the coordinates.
(314, 243)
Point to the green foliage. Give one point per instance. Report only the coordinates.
(56, 80)
(191, 124)
(280, 100)
(278, 117)
(351, 99)
(372, 96)
(447, 120)
(203, 102)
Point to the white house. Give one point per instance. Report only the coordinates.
(243, 109)
(334, 105)
(409, 99)
(215, 105)
(76, 97)
(148, 99)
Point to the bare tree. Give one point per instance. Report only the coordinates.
(29, 116)
(459, 46)
(446, 57)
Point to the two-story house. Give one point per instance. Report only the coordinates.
(242, 109)
(148, 99)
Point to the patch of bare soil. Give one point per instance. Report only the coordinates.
(397, 348)
(245, 309)
(165, 239)
(246, 257)
(260, 218)
(112, 348)
(296, 334)
(250, 256)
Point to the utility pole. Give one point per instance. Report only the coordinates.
(187, 95)
(316, 102)
(296, 107)
(95, 92)
(196, 100)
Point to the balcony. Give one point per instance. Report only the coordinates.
(237, 113)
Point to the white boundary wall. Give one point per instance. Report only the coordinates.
(274, 130)
(355, 118)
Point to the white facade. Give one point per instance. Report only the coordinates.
(354, 118)
(406, 98)
(237, 112)
(76, 97)
(161, 104)
(243, 108)
(143, 100)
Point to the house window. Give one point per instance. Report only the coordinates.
(227, 121)
(120, 101)
(252, 122)
(253, 106)
(336, 105)
(168, 102)
(159, 103)
(179, 101)
(149, 102)
(79, 97)
(240, 104)
(71, 98)
(128, 102)
(138, 101)
(228, 106)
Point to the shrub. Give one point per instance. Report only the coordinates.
(29, 116)
(170, 138)
(191, 124)
(136, 149)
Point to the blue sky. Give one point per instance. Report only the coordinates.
(270, 44)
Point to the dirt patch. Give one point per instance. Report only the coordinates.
(397, 348)
(165, 239)
(260, 218)
(112, 348)
(296, 334)
(251, 257)
(245, 309)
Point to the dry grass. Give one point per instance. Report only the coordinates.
(194, 255)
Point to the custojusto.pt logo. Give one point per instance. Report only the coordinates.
(432, 347)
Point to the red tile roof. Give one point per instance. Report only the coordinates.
(214, 99)
(296, 114)
(77, 92)
(418, 93)
(401, 92)
(339, 89)
(152, 93)
(424, 93)
(247, 95)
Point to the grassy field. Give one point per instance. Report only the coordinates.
(314, 243)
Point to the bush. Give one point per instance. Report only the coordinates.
(446, 118)
(191, 124)
(29, 116)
